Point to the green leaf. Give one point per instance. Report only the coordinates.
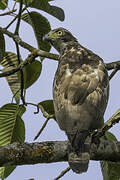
(26, 2)
(9, 62)
(52, 10)
(31, 73)
(110, 136)
(2, 45)
(9, 119)
(6, 171)
(12, 129)
(19, 127)
(41, 26)
(110, 170)
(48, 106)
(3, 4)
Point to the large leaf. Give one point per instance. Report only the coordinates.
(3, 4)
(26, 2)
(45, 6)
(10, 120)
(110, 170)
(31, 73)
(41, 26)
(48, 106)
(18, 128)
(2, 45)
(9, 62)
(6, 171)
(12, 129)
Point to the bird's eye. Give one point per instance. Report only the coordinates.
(60, 32)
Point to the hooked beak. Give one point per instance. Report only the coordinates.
(46, 37)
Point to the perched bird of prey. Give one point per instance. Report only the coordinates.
(80, 94)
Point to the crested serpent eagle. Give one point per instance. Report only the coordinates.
(80, 95)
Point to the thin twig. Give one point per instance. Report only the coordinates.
(47, 116)
(29, 60)
(14, 19)
(8, 73)
(42, 128)
(21, 74)
(107, 125)
(14, 5)
(18, 52)
(63, 173)
(8, 13)
(113, 73)
(19, 18)
(112, 65)
(15, 95)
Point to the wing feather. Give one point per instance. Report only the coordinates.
(85, 81)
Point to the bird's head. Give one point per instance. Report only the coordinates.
(59, 38)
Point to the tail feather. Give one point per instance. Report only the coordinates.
(79, 151)
(79, 164)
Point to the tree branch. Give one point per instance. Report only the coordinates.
(33, 153)
(107, 125)
(113, 73)
(35, 53)
(54, 151)
(29, 47)
(29, 60)
(113, 65)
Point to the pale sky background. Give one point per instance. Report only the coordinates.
(96, 25)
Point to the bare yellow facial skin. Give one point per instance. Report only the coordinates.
(55, 34)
